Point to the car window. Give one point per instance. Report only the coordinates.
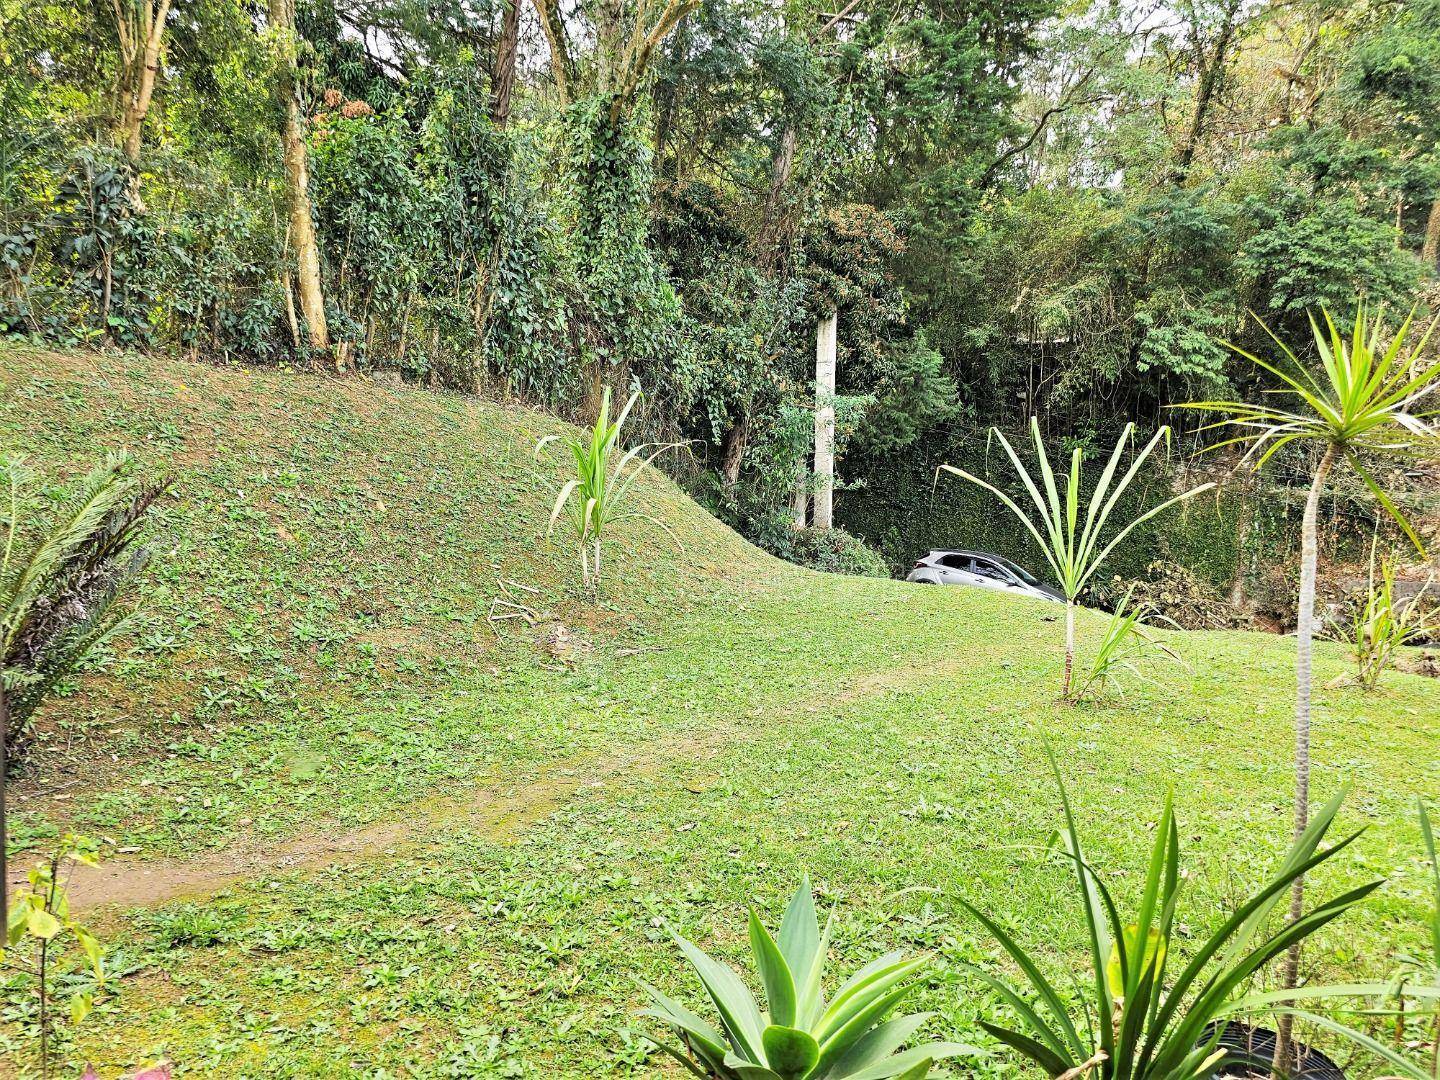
(955, 562)
(990, 570)
(1020, 572)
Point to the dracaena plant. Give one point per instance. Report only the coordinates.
(1149, 1012)
(802, 1035)
(1074, 544)
(1370, 396)
(596, 496)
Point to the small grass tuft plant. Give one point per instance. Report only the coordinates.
(801, 1037)
(596, 497)
(1127, 638)
(1383, 624)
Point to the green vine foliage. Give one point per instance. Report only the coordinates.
(627, 313)
(903, 511)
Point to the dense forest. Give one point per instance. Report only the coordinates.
(1016, 207)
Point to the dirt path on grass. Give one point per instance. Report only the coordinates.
(494, 812)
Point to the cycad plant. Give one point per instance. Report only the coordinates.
(596, 496)
(1075, 545)
(1147, 1012)
(1369, 396)
(802, 1036)
(1383, 624)
(60, 578)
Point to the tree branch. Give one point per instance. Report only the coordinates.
(1067, 102)
(554, 29)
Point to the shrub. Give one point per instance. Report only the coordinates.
(39, 925)
(835, 551)
(1177, 593)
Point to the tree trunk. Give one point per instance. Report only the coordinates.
(1304, 631)
(1242, 536)
(770, 237)
(143, 67)
(1205, 94)
(800, 506)
(1430, 251)
(502, 81)
(732, 450)
(297, 179)
(1069, 649)
(825, 419)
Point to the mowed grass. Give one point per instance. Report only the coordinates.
(757, 721)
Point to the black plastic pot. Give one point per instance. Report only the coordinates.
(1252, 1049)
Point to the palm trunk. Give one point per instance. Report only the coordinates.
(1304, 631)
(1069, 648)
(800, 500)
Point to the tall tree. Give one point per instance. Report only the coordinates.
(297, 173)
(140, 31)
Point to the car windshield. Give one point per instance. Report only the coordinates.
(1019, 571)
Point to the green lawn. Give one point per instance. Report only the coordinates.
(319, 662)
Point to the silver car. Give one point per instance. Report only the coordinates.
(983, 570)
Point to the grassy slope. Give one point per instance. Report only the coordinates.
(331, 664)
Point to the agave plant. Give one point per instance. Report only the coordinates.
(1147, 1012)
(853, 1036)
(1126, 638)
(1368, 397)
(1075, 549)
(1382, 625)
(596, 495)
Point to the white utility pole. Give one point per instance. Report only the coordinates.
(824, 419)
